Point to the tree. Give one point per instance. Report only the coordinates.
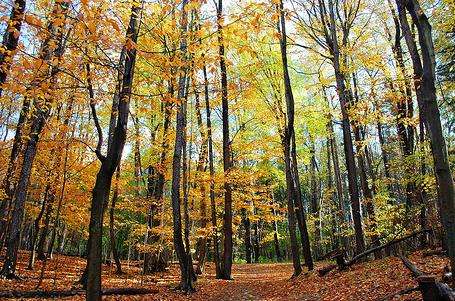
(293, 184)
(52, 47)
(184, 257)
(424, 78)
(227, 225)
(11, 39)
(110, 162)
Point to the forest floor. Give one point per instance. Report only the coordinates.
(371, 280)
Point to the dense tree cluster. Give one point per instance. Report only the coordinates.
(248, 131)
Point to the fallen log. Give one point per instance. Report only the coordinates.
(125, 291)
(414, 270)
(433, 252)
(324, 270)
(342, 263)
(388, 244)
(430, 288)
(400, 293)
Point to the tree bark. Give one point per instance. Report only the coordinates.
(112, 241)
(288, 141)
(227, 164)
(200, 168)
(247, 237)
(109, 164)
(53, 45)
(10, 40)
(345, 98)
(186, 281)
(426, 82)
(216, 252)
(36, 228)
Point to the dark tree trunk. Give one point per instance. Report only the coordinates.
(345, 98)
(227, 165)
(35, 231)
(8, 182)
(429, 107)
(37, 122)
(314, 198)
(257, 246)
(112, 242)
(41, 249)
(109, 163)
(10, 40)
(276, 242)
(247, 237)
(216, 251)
(293, 199)
(186, 281)
(291, 212)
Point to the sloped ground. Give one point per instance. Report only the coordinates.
(372, 280)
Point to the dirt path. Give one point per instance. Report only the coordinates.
(372, 280)
(251, 282)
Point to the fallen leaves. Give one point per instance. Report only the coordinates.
(371, 280)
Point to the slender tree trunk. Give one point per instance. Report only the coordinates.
(41, 250)
(62, 137)
(112, 241)
(9, 182)
(42, 112)
(257, 246)
(314, 198)
(276, 242)
(336, 166)
(186, 281)
(345, 97)
(227, 165)
(35, 230)
(11, 39)
(156, 261)
(216, 251)
(201, 166)
(247, 237)
(445, 184)
(294, 201)
(109, 164)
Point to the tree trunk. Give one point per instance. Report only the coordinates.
(201, 166)
(38, 120)
(426, 82)
(157, 261)
(314, 199)
(276, 242)
(41, 250)
(8, 182)
(227, 165)
(216, 252)
(186, 281)
(35, 231)
(109, 164)
(11, 39)
(247, 237)
(345, 97)
(113, 245)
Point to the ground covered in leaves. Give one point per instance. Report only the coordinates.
(373, 280)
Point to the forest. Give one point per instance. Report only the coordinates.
(227, 150)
